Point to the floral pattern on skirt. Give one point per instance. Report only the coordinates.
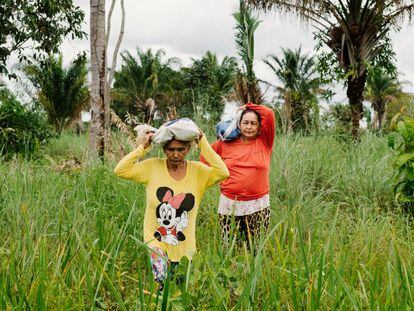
(159, 264)
(241, 208)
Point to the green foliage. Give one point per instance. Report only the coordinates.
(146, 75)
(354, 31)
(62, 92)
(246, 26)
(36, 25)
(301, 85)
(386, 58)
(196, 91)
(22, 130)
(331, 69)
(73, 239)
(402, 142)
(246, 84)
(206, 83)
(338, 120)
(382, 87)
(403, 103)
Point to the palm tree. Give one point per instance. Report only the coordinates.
(352, 29)
(225, 74)
(246, 87)
(381, 89)
(62, 92)
(207, 82)
(144, 82)
(300, 86)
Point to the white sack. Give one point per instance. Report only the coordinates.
(142, 130)
(181, 129)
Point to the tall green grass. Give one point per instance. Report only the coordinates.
(71, 238)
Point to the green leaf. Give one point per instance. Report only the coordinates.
(402, 129)
(392, 139)
(402, 159)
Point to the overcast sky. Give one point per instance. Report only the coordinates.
(188, 28)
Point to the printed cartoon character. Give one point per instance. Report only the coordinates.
(172, 215)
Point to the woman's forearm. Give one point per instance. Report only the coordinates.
(268, 122)
(125, 167)
(220, 171)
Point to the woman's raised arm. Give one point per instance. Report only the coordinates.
(219, 170)
(128, 169)
(268, 124)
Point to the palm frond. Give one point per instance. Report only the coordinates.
(63, 92)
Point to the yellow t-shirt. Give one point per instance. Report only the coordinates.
(171, 207)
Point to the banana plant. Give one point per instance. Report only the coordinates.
(401, 140)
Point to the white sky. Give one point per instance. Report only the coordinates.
(189, 28)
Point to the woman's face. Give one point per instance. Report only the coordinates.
(176, 151)
(249, 125)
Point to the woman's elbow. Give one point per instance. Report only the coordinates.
(119, 172)
(227, 173)
(224, 174)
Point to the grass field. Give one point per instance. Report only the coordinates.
(70, 236)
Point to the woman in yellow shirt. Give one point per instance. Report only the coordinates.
(174, 189)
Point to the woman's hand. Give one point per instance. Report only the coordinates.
(200, 135)
(243, 107)
(148, 139)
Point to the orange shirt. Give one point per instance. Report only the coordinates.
(248, 162)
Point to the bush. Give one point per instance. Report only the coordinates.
(401, 140)
(22, 130)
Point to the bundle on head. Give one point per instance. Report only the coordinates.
(181, 129)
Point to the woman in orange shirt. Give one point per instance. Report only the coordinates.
(245, 194)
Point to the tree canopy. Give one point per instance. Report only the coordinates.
(207, 82)
(61, 91)
(36, 25)
(246, 84)
(300, 85)
(381, 89)
(353, 30)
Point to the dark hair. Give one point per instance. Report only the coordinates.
(259, 118)
(187, 143)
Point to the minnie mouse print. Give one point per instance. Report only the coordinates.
(172, 215)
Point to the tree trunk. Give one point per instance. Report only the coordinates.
(381, 118)
(149, 110)
(374, 122)
(98, 78)
(241, 88)
(287, 107)
(354, 92)
(114, 57)
(305, 117)
(247, 91)
(255, 95)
